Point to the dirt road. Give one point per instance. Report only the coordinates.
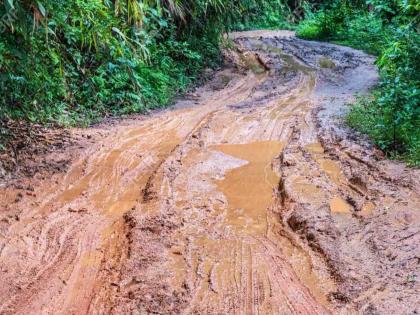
(248, 197)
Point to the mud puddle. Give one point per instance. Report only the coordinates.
(249, 189)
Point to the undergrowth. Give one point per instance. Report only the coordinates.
(264, 14)
(73, 62)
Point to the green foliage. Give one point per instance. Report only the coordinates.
(72, 62)
(400, 9)
(364, 31)
(398, 97)
(391, 115)
(263, 14)
(394, 130)
(326, 22)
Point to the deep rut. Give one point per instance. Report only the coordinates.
(245, 198)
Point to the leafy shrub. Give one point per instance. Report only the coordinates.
(72, 62)
(396, 132)
(392, 117)
(324, 23)
(312, 28)
(264, 14)
(364, 30)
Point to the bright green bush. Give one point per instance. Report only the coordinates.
(310, 29)
(395, 109)
(364, 31)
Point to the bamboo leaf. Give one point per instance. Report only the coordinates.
(41, 8)
(10, 4)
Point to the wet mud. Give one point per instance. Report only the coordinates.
(249, 196)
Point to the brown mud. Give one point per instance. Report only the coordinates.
(247, 197)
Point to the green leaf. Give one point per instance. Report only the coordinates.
(11, 4)
(116, 30)
(41, 8)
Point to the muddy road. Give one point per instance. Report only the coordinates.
(247, 197)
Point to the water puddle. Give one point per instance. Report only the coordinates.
(292, 64)
(249, 188)
(338, 205)
(332, 169)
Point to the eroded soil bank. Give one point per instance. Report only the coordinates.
(248, 197)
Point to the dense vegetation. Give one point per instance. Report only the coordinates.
(265, 14)
(390, 30)
(71, 62)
